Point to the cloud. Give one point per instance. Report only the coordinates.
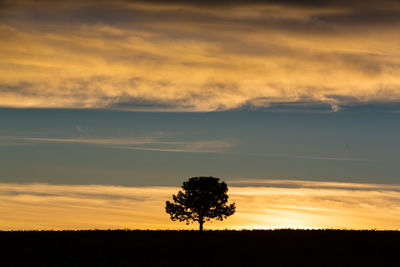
(320, 157)
(192, 56)
(269, 204)
(150, 143)
(163, 142)
(313, 184)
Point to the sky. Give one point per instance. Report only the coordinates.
(106, 107)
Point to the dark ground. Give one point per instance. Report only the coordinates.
(210, 248)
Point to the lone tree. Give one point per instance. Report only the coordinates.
(202, 199)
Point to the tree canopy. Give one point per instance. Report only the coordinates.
(202, 199)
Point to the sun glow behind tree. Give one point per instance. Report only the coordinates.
(316, 205)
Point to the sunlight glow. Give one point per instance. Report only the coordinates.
(44, 206)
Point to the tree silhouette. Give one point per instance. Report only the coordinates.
(202, 199)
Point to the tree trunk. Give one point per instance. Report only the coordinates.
(201, 221)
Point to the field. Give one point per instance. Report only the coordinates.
(209, 248)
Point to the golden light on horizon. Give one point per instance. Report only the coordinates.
(59, 207)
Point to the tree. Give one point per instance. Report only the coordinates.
(202, 199)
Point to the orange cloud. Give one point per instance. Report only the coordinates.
(308, 204)
(180, 57)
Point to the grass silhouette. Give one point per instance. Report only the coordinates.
(192, 248)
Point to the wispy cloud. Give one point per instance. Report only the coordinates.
(140, 143)
(192, 56)
(194, 147)
(162, 144)
(320, 157)
(314, 184)
(269, 204)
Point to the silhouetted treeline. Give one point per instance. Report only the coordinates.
(193, 248)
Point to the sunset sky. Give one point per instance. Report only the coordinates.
(106, 107)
